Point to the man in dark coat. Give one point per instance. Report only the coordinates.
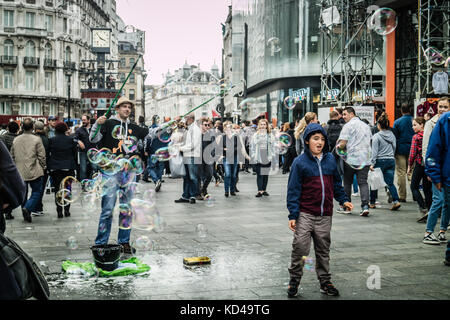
(9, 137)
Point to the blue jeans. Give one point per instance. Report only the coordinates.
(230, 174)
(36, 187)
(155, 170)
(85, 167)
(387, 166)
(437, 207)
(190, 180)
(446, 211)
(106, 217)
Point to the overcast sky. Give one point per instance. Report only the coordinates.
(177, 30)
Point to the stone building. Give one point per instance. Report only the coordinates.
(42, 44)
(185, 89)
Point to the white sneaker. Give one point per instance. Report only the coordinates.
(37, 214)
(341, 210)
(431, 239)
(441, 237)
(355, 194)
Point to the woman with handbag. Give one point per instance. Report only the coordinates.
(383, 157)
(262, 152)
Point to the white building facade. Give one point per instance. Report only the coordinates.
(42, 44)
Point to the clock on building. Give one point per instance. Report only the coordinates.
(101, 40)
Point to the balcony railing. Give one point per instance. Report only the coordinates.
(70, 65)
(8, 60)
(49, 63)
(31, 62)
(31, 32)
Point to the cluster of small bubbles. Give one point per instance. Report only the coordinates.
(383, 21)
(434, 56)
(201, 230)
(309, 263)
(210, 201)
(72, 243)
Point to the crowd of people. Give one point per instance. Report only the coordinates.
(333, 159)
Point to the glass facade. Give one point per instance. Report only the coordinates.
(280, 39)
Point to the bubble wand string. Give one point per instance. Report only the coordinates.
(113, 103)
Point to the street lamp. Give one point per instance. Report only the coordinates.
(69, 75)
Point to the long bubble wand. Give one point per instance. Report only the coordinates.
(113, 103)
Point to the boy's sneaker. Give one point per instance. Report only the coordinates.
(293, 288)
(341, 210)
(441, 237)
(431, 239)
(328, 289)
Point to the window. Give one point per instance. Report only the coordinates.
(30, 108)
(132, 94)
(30, 49)
(48, 81)
(49, 23)
(132, 60)
(8, 48)
(122, 77)
(52, 110)
(8, 79)
(5, 108)
(48, 51)
(8, 18)
(29, 80)
(132, 78)
(65, 25)
(68, 54)
(30, 19)
(123, 63)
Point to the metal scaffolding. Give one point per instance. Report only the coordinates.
(348, 52)
(434, 31)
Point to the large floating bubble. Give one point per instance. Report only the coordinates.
(145, 214)
(290, 102)
(383, 21)
(357, 161)
(246, 104)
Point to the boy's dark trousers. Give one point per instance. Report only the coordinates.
(318, 228)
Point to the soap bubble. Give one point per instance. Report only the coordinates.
(143, 243)
(201, 230)
(210, 201)
(88, 185)
(75, 188)
(118, 132)
(357, 161)
(63, 197)
(173, 149)
(161, 155)
(246, 104)
(72, 243)
(144, 214)
(89, 202)
(431, 162)
(149, 195)
(383, 21)
(165, 135)
(309, 263)
(125, 216)
(285, 139)
(79, 228)
(274, 45)
(434, 56)
(160, 223)
(130, 144)
(92, 154)
(290, 102)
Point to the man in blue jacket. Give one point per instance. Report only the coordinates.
(313, 183)
(437, 164)
(404, 132)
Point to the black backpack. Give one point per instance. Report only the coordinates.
(20, 277)
(333, 133)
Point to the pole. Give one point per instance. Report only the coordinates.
(68, 98)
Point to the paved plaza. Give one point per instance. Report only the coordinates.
(249, 243)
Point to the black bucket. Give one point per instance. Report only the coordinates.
(106, 257)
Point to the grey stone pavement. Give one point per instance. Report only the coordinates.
(249, 243)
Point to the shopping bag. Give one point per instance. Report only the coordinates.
(375, 179)
(176, 164)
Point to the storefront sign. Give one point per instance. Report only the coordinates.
(301, 94)
(330, 94)
(6, 119)
(366, 112)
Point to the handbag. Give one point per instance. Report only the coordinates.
(176, 164)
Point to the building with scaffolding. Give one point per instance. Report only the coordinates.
(325, 54)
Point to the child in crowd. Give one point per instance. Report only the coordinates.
(313, 182)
